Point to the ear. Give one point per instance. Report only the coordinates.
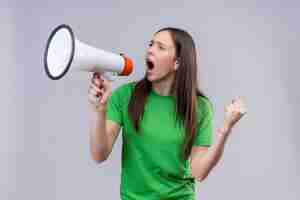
(176, 64)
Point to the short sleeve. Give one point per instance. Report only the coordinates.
(115, 107)
(117, 103)
(204, 135)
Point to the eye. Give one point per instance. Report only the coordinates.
(161, 47)
(150, 44)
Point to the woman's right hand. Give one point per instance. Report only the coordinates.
(99, 91)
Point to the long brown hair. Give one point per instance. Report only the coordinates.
(184, 88)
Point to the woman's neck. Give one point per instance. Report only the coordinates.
(163, 87)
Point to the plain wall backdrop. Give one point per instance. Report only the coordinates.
(245, 48)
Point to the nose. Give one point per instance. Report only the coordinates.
(150, 51)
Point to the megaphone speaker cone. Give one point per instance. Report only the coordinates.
(59, 52)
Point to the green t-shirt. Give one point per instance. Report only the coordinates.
(152, 168)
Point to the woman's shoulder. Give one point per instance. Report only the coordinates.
(125, 89)
(204, 100)
(205, 105)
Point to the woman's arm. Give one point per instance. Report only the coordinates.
(204, 159)
(103, 132)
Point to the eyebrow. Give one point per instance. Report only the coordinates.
(159, 42)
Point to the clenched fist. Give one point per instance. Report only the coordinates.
(233, 113)
(99, 91)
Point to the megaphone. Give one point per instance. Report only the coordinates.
(63, 52)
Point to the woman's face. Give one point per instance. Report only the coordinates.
(161, 57)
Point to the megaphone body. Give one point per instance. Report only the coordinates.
(64, 52)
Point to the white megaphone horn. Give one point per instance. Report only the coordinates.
(64, 51)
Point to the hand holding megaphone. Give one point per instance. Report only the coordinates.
(63, 52)
(99, 91)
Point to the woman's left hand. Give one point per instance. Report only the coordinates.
(233, 113)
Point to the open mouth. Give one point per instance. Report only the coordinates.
(149, 64)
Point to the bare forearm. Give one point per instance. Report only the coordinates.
(202, 164)
(98, 136)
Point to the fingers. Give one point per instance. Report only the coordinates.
(94, 88)
(240, 105)
(99, 90)
(93, 99)
(234, 111)
(237, 105)
(97, 80)
(105, 97)
(100, 81)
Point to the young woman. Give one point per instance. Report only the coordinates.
(166, 123)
